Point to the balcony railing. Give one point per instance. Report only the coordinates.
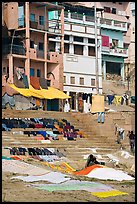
(112, 23)
(119, 50)
(14, 49)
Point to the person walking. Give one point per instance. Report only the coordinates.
(132, 141)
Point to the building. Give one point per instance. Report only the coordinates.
(80, 73)
(29, 46)
(130, 38)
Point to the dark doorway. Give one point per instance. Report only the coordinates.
(113, 68)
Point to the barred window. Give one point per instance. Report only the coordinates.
(81, 81)
(72, 80)
(92, 82)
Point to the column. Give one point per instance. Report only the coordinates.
(76, 101)
(85, 50)
(104, 69)
(71, 46)
(45, 55)
(10, 69)
(27, 61)
(62, 31)
(122, 71)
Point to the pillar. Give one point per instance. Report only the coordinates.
(27, 62)
(104, 69)
(62, 31)
(45, 55)
(122, 71)
(71, 46)
(76, 101)
(85, 50)
(10, 68)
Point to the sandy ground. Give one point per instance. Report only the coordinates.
(19, 191)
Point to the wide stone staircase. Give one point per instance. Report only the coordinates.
(100, 136)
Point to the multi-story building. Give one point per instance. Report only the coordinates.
(29, 46)
(114, 24)
(81, 73)
(130, 38)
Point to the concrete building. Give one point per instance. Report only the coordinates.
(130, 39)
(80, 74)
(29, 45)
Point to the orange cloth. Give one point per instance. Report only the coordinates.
(34, 81)
(87, 170)
(38, 102)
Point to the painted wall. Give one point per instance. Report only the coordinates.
(112, 59)
(113, 35)
(84, 67)
(37, 65)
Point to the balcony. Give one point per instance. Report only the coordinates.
(34, 24)
(34, 54)
(120, 52)
(113, 24)
(14, 49)
(53, 57)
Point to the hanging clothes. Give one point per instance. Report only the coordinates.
(97, 104)
(117, 100)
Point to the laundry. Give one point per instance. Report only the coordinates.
(34, 81)
(52, 177)
(110, 99)
(96, 188)
(6, 99)
(117, 100)
(108, 193)
(110, 174)
(43, 83)
(21, 167)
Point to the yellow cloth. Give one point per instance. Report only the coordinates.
(50, 93)
(97, 104)
(117, 100)
(108, 193)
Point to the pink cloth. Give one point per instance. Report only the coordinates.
(105, 41)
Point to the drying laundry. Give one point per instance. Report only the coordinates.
(52, 177)
(96, 188)
(21, 167)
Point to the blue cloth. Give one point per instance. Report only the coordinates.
(42, 132)
(110, 99)
(5, 127)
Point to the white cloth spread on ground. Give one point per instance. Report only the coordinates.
(109, 173)
(17, 166)
(53, 177)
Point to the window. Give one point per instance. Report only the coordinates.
(81, 81)
(114, 10)
(32, 17)
(32, 73)
(92, 82)
(78, 49)
(133, 12)
(66, 48)
(114, 43)
(41, 46)
(31, 44)
(38, 73)
(51, 46)
(66, 37)
(41, 20)
(91, 40)
(107, 9)
(4, 70)
(64, 79)
(78, 39)
(72, 80)
(91, 51)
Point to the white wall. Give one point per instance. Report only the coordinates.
(82, 64)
